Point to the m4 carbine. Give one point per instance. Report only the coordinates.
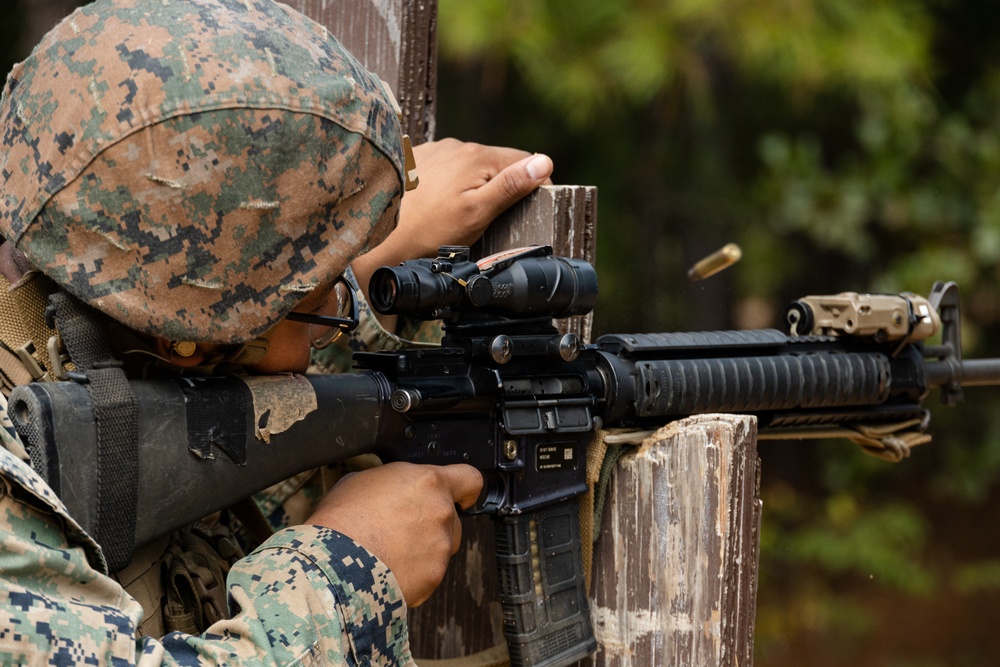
(508, 394)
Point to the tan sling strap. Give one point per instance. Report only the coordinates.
(143, 580)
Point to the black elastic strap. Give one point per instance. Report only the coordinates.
(84, 333)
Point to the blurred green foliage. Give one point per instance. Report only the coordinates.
(846, 145)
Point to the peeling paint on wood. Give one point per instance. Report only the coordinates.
(675, 566)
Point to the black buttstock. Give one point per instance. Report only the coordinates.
(199, 449)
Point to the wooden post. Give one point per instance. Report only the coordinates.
(562, 216)
(395, 39)
(464, 614)
(675, 568)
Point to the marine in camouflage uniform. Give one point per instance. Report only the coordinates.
(192, 169)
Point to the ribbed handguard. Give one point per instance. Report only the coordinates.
(756, 384)
(542, 587)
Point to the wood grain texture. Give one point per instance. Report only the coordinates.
(563, 216)
(418, 69)
(397, 40)
(675, 568)
(463, 616)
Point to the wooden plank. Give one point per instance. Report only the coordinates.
(675, 569)
(396, 39)
(418, 69)
(562, 216)
(463, 616)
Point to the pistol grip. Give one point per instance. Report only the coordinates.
(542, 587)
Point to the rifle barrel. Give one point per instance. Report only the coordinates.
(973, 373)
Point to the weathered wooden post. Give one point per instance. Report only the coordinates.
(675, 568)
(395, 39)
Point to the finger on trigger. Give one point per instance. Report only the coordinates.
(465, 483)
(456, 535)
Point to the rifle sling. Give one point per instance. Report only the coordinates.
(84, 333)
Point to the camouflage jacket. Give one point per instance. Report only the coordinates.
(307, 596)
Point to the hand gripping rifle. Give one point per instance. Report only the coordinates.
(508, 394)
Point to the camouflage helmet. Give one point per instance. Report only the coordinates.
(194, 168)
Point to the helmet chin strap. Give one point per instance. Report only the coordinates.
(237, 357)
(225, 360)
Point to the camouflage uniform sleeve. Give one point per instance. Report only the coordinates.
(371, 336)
(324, 595)
(56, 605)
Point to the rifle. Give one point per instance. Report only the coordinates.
(508, 394)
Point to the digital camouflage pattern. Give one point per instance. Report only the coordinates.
(194, 168)
(308, 596)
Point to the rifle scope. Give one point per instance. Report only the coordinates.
(529, 282)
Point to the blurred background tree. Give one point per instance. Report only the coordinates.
(845, 145)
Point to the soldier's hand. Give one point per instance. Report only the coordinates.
(463, 187)
(404, 514)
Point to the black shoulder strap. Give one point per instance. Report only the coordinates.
(84, 333)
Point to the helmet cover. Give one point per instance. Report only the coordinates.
(194, 169)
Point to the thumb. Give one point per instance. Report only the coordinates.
(516, 181)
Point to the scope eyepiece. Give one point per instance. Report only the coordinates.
(413, 289)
